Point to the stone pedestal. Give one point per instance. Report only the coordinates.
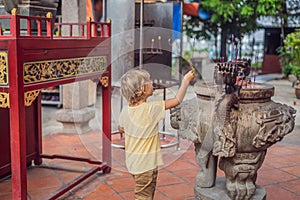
(218, 192)
(75, 121)
(75, 115)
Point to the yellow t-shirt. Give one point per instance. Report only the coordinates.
(142, 145)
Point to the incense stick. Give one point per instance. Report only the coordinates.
(193, 47)
(255, 68)
(232, 46)
(237, 51)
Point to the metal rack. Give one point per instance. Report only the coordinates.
(153, 43)
(56, 93)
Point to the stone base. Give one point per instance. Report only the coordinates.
(75, 121)
(219, 192)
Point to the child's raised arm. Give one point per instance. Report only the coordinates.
(188, 77)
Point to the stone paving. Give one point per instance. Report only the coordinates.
(280, 173)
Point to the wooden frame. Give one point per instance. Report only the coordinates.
(34, 54)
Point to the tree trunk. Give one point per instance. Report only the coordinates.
(223, 44)
(240, 48)
(216, 46)
(283, 22)
(252, 48)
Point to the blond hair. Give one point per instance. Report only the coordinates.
(133, 85)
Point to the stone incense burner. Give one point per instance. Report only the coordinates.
(235, 125)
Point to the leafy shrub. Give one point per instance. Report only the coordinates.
(290, 54)
(296, 71)
(287, 69)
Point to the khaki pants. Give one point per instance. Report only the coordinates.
(145, 184)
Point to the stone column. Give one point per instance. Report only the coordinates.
(123, 24)
(75, 115)
(73, 11)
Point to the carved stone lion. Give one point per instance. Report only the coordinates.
(234, 124)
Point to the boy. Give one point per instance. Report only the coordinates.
(139, 121)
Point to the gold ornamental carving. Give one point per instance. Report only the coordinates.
(14, 11)
(51, 70)
(4, 100)
(30, 96)
(104, 81)
(3, 69)
(49, 15)
(88, 19)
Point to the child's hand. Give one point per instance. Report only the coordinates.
(189, 76)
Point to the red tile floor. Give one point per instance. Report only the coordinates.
(280, 173)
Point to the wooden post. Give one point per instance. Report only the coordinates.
(82, 30)
(59, 29)
(49, 25)
(71, 30)
(39, 26)
(39, 137)
(88, 27)
(108, 31)
(14, 24)
(17, 115)
(106, 122)
(28, 27)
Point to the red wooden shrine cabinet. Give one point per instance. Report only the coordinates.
(31, 61)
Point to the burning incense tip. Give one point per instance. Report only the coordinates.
(193, 69)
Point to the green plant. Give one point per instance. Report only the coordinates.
(285, 59)
(287, 70)
(292, 45)
(236, 17)
(290, 54)
(296, 71)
